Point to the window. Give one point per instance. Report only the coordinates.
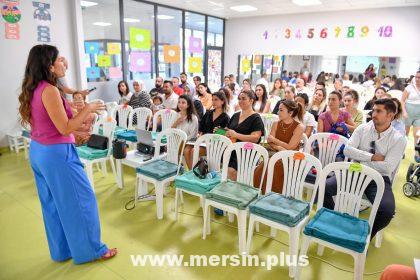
(103, 63)
(214, 32)
(194, 45)
(139, 28)
(169, 42)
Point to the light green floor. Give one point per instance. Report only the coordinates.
(24, 252)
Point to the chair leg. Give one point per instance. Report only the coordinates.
(202, 202)
(359, 266)
(181, 197)
(257, 227)
(250, 233)
(320, 250)
(303, 252)
(378, 239)
(25, 147)
(114, 173)
(136, 189)
(293, 250)
(231, 217)
(177, 193)
(206, 220)
(16, 143)
(89, 171)
(9, 139)
(103, 167)
(308, 194)
(242, 231)
(159, 189)
(273, 232)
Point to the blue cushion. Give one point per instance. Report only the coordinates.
(341, 229)
(279, 208)
(233, 193)
(89, 153)
(190, 182)
(158, 169)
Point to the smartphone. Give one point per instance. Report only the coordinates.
(92, 89)
(220, 131)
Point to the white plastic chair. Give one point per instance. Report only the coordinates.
(304, 142)
(215, 146)
(108, 128)
(175, 143)
(110, 108)
(328, 146)
(268, 121)
(124, 112)
(249, 156)
(167, 119)
(143, 117)
(295, 172)
(351, 184)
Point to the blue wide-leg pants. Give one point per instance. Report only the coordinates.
(68, 203)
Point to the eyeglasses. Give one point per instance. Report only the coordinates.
(372, 147)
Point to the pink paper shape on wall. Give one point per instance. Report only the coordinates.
(195, 45)
(115, 72)
(140, 62)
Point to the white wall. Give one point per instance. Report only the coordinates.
(245, 35)
(13, 56)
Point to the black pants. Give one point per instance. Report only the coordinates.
(386, 208)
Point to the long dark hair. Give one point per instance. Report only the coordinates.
(264, 97)
(190, 109)
(223, 94)
(126, 86)
(204, 85)
(294, 107)
(40, 59)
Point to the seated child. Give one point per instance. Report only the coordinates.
(82, 134)
(157, 103)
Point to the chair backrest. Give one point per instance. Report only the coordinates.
(97, 100)
(328, 144)
(110, 108)
(175, 143)
(268, 121)
(124, 112)
(304, 142)
(296, 166)
(167, 118)
(142, 116)
(216, 145)
(249, 156)
(108, 130)
(352, 180)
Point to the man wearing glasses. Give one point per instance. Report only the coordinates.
(378, 145)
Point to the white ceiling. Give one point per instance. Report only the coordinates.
(220, 8)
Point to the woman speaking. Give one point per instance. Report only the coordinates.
(68, 202)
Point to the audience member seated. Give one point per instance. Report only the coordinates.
(82, 134)
(184, 83)
(263, 80)
(214, 118)
(318, 105)
(261, 105)
(351, 107)
(204, 95)
(124, 92)
(140, 98)
(289, 94)
(338, 85)
(335, 120)
(176, 88)
(157, 103)
(278, 89)
(285, 134)
(244, 126)
(378, 145)
(199, 108)
(246, 84)
(301, 86)
(170, 98)
(187, 120)
(197, 81)
(308, 122)
(158, 89)
(237, 90)
(398, 122)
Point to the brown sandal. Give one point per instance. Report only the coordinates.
(109, 254)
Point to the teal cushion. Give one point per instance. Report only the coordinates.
(279, 208)
(341, 229)
(89, 153)
(188, 181)
(26, 133)
(158, 169)
(131, 135)
(233, 193)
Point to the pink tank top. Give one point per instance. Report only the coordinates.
(43, 129)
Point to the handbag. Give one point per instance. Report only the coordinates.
(98, 142)
(201, 168)
(119, 149)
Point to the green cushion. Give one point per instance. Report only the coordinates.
(89, 153)
(278, 208)
(188, 181)
(233, 193)
(158, 169)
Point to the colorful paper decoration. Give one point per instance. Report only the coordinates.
(10, 11)
(195, 64)
(257, 59)
(113, 48)
(12, 31)
(43, 16)
(171, 53)
(267, 63)
(92, 72)
(115, 72)
(92, 47)
(195, 45)
(245, 65)
(104, 60)
(140, 62)
(140, 39)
